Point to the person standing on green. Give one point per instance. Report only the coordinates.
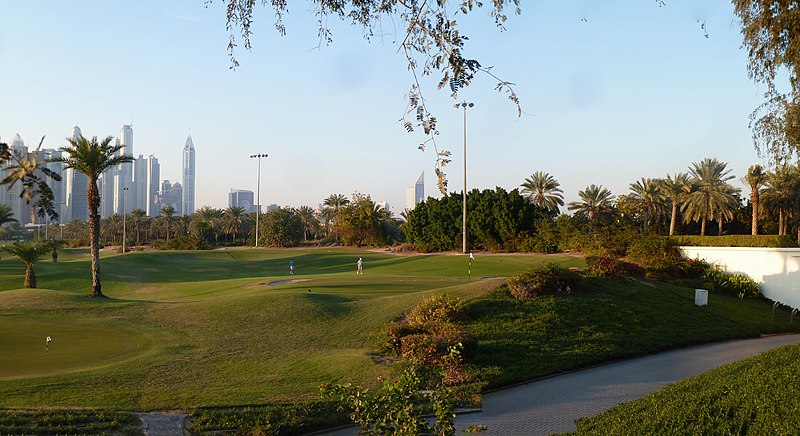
(360, 264)
(291, 267)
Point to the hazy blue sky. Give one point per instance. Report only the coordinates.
(635, 90)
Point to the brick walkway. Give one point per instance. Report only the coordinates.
(552, 405)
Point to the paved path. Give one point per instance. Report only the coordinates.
(163, 423)
(552, 405)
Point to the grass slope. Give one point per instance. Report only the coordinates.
(189, 329)
(757, 396)
(609, 319)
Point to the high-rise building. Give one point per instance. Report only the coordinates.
(139, 186)
(153, 177)
(11, 195)
(242, 198)
(415, 193)
(123, 174)
(77, 189)
(170, 195)
(57, 186)
(188, 177)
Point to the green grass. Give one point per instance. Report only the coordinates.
(195, 329)
(609, 319)
(68, 422)
(757, 396)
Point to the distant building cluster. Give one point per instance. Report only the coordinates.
(125, 187)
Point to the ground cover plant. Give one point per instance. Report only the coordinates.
(756, 396)
(68, 422)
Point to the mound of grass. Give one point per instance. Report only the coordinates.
(756, 396)
(611, 318)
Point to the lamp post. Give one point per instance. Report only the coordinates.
(124, 233)
(465, 105)
(258, 189)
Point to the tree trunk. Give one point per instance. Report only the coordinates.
(781, 229)
(754, 203)
(703, 226)
(94, 234)
(719, 231)
(30, 276)
(673, 221)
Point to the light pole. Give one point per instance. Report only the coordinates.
(465, 105)
(258, 189)
(123, 218)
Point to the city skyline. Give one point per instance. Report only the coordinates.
(610, 92)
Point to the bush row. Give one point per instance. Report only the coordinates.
(770, 241)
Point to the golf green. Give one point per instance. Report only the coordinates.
(74, 346)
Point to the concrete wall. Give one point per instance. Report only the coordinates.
(776, 269)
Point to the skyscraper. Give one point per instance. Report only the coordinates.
(242, 198)
(139, 186)
(153, 179)
(10, 196)
(188, 177)
(415, 193)
(123, 174)
(78, 185)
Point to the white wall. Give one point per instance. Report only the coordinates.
(776, 269)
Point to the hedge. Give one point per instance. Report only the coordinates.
(770, 241)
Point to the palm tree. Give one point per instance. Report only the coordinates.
(167, 219)
(646, 199)
(542, 190)
(675, 189)
(138, 219)
(781, 190)
(233, 221)
(28, 253)
(708, 178)
(6, 215)
(333, 204)
(92, 159)
(596, 200)
(207, 215)
(755, 179)
(724, 203)
(310, 221)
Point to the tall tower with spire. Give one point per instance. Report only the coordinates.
(188, 177)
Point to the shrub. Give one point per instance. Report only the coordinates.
(543, 279)
(438, 308)
(739, 285)
(770, 241)
(602, 266)
(395, 333)
(659, 256)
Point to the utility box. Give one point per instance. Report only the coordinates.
(701, 297)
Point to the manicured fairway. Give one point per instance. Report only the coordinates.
(184, 329)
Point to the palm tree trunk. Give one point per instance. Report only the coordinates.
(673, 220)
(30, 276)
(754, 203)
(703, 226)
(781, 229)
(94, 234)
(719, 219)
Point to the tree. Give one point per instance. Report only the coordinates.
(646, 199)
(708, 178)
(771, 35)
(6, 215)
(333, 204)
(358, 222)
(25, 169)
(595, 200)
(138, 220)
(675, 189)
(92, 159)
(210, 217)
(281, 227)
(28, 252)
(780, 192)
(543, 190)
(755, 179)
(310, 221)
(233, 219)
(167, 219)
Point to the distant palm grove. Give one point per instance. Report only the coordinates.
(701, 201)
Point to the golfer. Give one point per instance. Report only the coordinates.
(360, 264)
(291, 267)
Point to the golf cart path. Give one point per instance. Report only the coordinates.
(169, 423)
(552, 405)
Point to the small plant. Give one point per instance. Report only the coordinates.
(543, 279)
(739, 285)
(438, 308)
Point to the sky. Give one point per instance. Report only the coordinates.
(611, 91)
